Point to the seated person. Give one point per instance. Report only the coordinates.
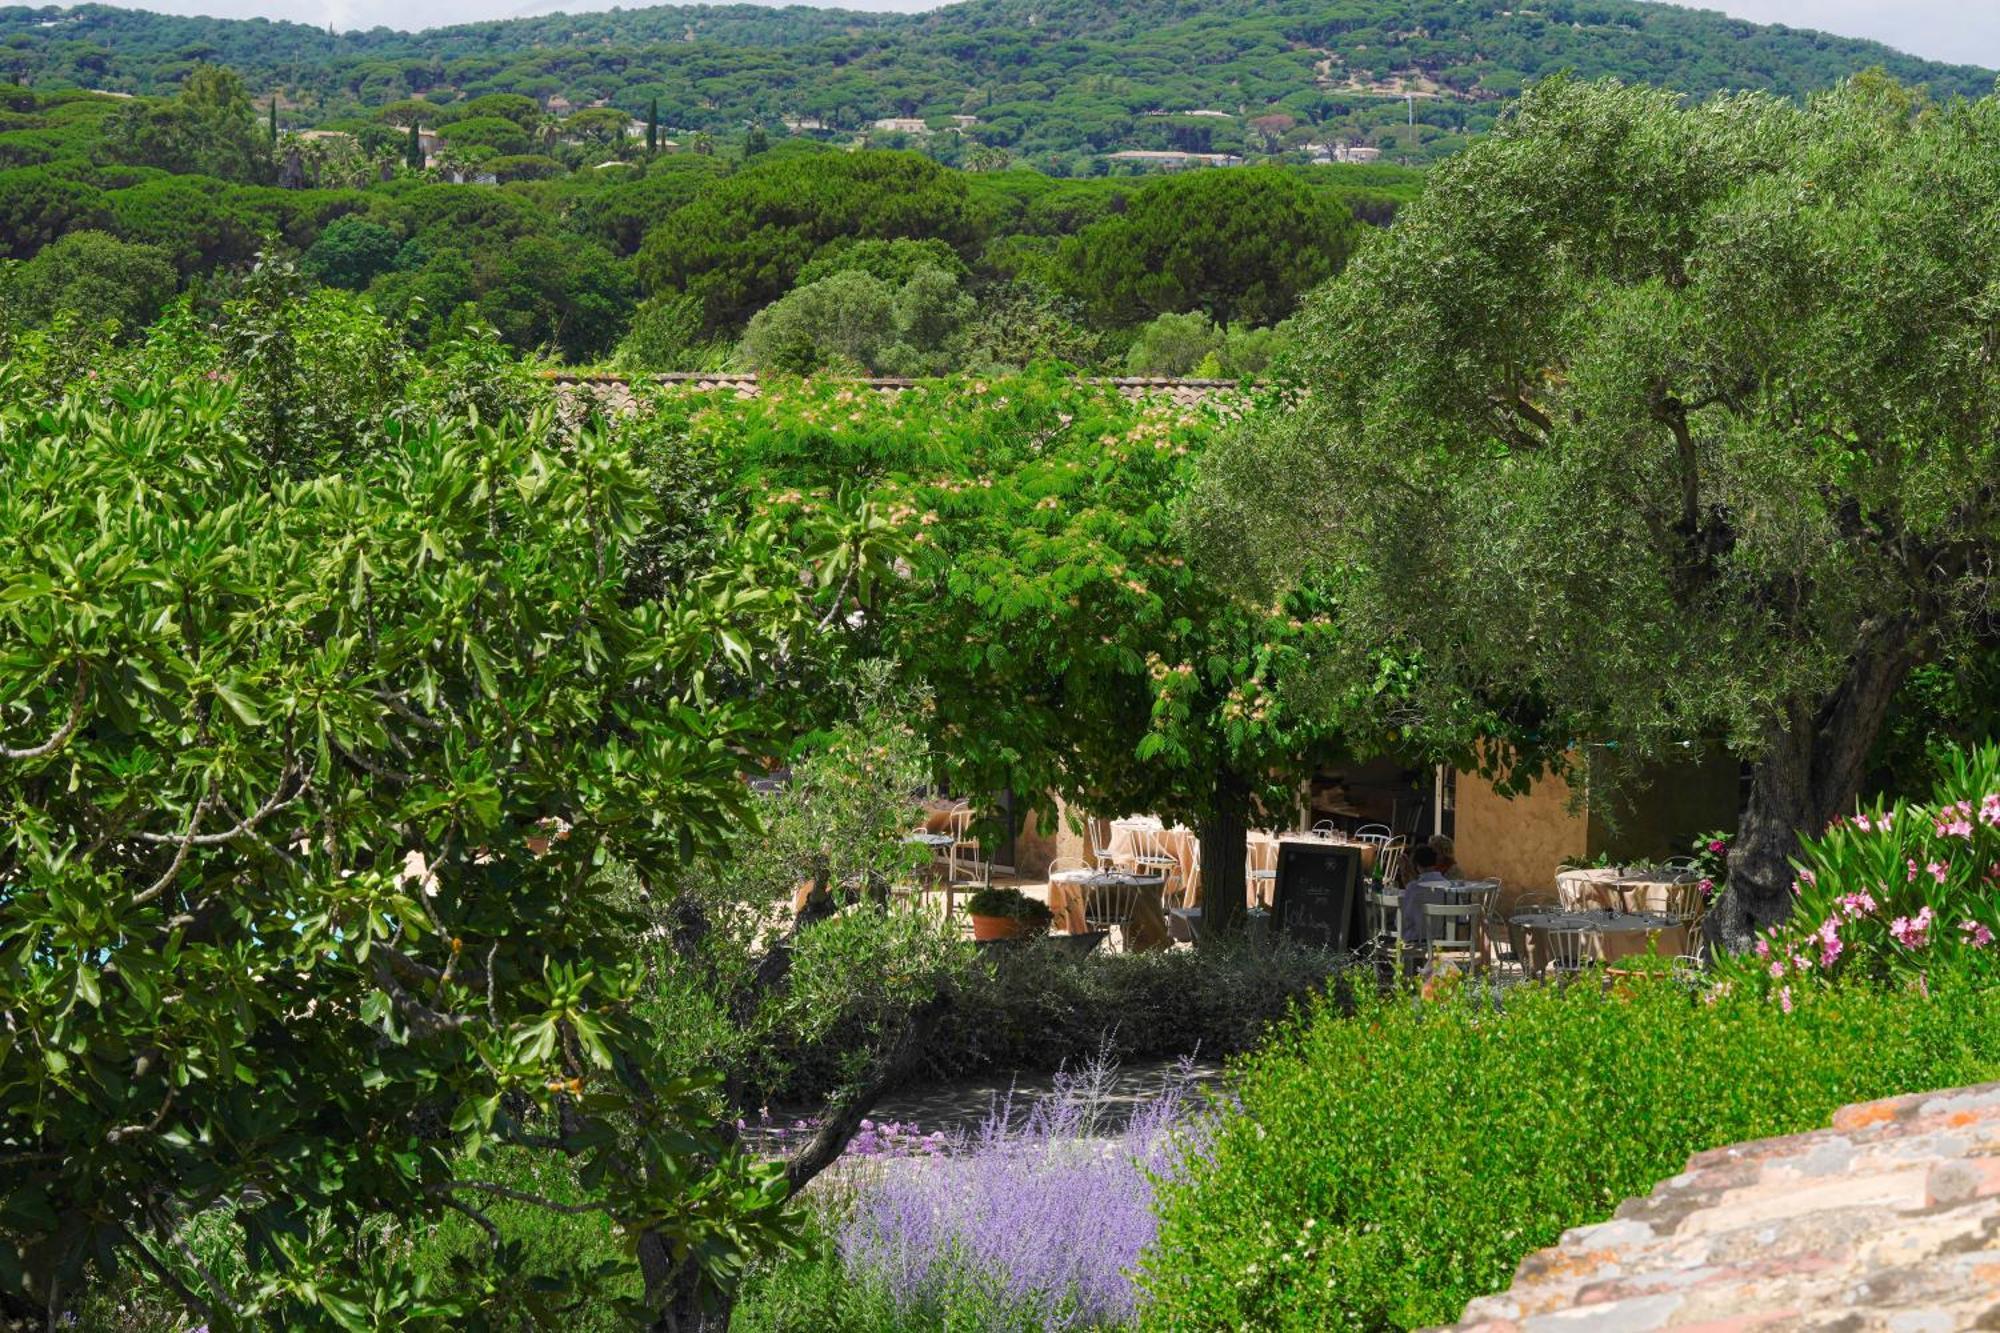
(1424, 860)
(1447, 862)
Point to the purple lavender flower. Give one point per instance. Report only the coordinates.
(1039, 1218)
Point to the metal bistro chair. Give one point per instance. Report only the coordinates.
(1109, 906)
(1099, 831)
(1385, 918)
(1451, 930)
(978, 876)
(1154, 858)
(962, 840)
(1515, 953)
(1569, 950)
(1262, 878)
(1389, 860)
(1688, 906)
(1326, 828)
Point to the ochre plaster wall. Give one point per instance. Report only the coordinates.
(1520, 840)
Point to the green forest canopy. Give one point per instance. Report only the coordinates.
(1049, 79)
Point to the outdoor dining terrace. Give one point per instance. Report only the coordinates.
(1136, 885)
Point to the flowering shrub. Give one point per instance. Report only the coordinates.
(1711, 862)
(1897, 894)
(1039, 1216)
(1036, 1221)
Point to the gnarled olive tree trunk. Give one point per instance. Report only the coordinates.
(1809, 772)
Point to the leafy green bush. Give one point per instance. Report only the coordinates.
(1899, 893)
(1380, 1169)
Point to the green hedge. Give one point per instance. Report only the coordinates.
(1379, 1171)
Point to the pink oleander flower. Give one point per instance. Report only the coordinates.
(1829, 941)
(1912, 932)
(1785, 998)
(1989, 809)
(1939, 869)
(1777, 969)
(1763, 947)
(1809, 877)
(1957, 826)
(1976, 933)
(1858, 904)
(1861, 822)
(1717, 846)
(1913, 870)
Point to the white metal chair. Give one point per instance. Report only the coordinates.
(1109, 907)
(1154, 858)
(1375, 833)
(1325, 828)
(1569, 950)
(1451, 930)
(1099, 831)
(1385, 918)
(962, 840)
(978, 876)
(1390, 857)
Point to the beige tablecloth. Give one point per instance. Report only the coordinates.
(1608, 936)
(1615, 890)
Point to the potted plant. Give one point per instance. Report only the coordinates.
(1006, 914)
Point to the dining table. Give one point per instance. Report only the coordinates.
(1625, 889)
(1145, 918)
(1608, 936)
(1419, 893)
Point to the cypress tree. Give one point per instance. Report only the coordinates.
(274, 118)
(413, 155)
(653, 127)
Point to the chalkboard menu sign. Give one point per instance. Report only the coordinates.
(1318, 895)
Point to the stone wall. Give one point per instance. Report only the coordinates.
(1889, 1220)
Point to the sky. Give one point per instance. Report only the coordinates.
(1962, 31)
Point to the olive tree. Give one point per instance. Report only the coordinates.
(1655, 423)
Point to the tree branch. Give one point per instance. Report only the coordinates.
(65, 731)
(834, 1132)
(186, 840)
(244, 826)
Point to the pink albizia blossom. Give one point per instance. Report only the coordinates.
(1858, 904)
(1912, 932)
(1976, 933)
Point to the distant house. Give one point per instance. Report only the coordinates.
(902, 125)
(1173, 160)
(321, 136)
(559, 105)
(965, 122)
(797, 123)
(1210, 115)
(635, 128)
(1344, 153)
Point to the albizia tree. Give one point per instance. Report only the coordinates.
(1663, 423)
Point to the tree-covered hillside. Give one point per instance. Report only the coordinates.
(1055, 81)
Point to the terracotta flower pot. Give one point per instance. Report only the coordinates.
(997, 928)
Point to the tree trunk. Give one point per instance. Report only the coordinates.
(1224, 833)
(1809, 772)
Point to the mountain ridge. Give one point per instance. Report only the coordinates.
(1038, 78)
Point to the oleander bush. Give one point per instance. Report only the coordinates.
(1900, 893)
(1378, 1170)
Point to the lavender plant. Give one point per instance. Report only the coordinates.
(1036, 1221)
